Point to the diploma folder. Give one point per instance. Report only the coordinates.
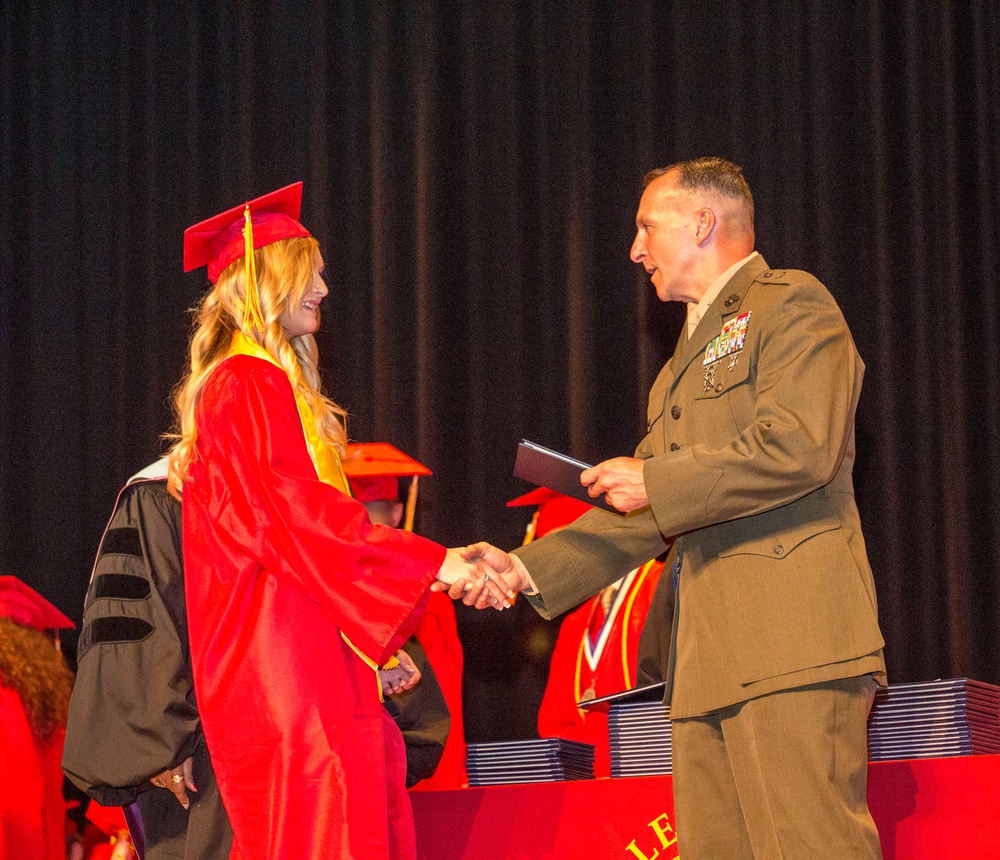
(556, 471)
(645, 694)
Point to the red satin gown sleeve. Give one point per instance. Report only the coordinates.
(277, 564)
(558, 715)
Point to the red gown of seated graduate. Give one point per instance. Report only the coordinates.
(586, 668)
(32, 810)
(438, 634)
(278, 565)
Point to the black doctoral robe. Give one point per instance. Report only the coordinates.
(133, 711)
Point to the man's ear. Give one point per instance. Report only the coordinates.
(705, 223)
(397, 513)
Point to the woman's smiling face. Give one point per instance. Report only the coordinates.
(303, 317)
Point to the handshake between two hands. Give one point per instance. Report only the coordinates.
(481, 575)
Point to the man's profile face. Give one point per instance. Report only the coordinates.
(664, 239)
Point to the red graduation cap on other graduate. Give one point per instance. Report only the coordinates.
(373, 470)
(25, 606)
(219, 241)
(554, 511)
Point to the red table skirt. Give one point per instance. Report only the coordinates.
(945, 809)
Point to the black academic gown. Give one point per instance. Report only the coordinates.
(133, 712)
(422, 717)
(653, 661)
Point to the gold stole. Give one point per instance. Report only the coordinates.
(325, 458)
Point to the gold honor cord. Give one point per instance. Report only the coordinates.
(627, 612)
(325, 459)
(253, 318)
(529, 532)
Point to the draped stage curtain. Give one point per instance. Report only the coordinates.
(472, 171)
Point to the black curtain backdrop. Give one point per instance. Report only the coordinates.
(472, 172)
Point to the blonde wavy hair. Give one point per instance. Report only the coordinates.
(32, 666)
(284, 272)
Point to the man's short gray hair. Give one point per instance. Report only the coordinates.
(708, 174)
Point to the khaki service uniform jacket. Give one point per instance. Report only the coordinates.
(748, 460)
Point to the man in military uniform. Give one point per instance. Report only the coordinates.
(776, 649)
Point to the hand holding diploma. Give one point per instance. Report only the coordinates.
(621, 481)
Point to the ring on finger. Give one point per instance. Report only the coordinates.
(176, 778)
(486, 577)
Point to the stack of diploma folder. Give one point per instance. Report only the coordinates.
(638, 730)
(543, 760)
(934, 719)
(639, 736)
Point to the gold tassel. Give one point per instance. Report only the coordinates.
(529, 532)
(252, 316)
(411, 505)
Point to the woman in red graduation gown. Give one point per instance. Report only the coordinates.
(294, 597)
(35, 686)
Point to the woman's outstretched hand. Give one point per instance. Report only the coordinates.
(503, 576)
(462, 574)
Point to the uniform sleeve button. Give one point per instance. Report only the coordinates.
(779, 549)
(718, 387)
(675, 412)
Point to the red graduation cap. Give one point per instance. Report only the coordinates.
(219, 241)
(373, 470)
(25, 606)
(554, 511)
(374, 467)
(538, 496)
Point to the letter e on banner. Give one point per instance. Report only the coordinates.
(664, 832)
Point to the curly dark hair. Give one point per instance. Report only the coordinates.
(32, 667)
